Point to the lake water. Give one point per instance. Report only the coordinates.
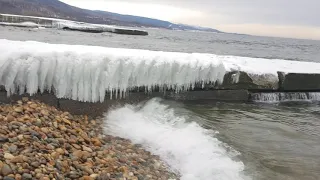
(214, 140)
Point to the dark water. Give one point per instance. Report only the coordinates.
(276, 141)
(179, 41)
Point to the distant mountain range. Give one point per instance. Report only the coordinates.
(58, 9)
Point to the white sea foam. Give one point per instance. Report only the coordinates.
(186, 147)
(86, 73)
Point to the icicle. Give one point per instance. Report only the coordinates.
(88, 73)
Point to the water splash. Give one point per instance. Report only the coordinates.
(186, 147)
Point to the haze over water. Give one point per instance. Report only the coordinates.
(260, 141)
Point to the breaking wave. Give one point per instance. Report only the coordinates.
(186, 147)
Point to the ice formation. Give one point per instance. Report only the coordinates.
(82, 26)
(58, 23)
(23, 24)
(87, 73)
(285, 97)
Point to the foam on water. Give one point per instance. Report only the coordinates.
(286, 97)
(186, 147)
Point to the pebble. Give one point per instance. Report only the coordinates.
(8, 156)
(6, 170)
(38, 122)
(20, 137)
(26, 176)
(38, 141)
(8, 178)
(18, 159)
(15, 139)
(13, 148)
(10, 117)
(3, 139)
(18, 109)
(18, 177)
(76, 146)
(86, 149)
(35, 164)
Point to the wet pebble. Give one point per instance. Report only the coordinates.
(40, 142)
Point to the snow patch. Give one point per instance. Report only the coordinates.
(268, 66)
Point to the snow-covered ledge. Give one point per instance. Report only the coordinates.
(90, 73)
(33, 21)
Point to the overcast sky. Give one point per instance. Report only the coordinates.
(284, 18)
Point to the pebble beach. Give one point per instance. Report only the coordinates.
(37, 141)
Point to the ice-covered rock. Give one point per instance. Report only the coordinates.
(87, 73)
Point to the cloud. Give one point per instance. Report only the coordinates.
(159, 11)
(299, 32)
(259, 17)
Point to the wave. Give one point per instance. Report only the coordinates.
(278, 97)
(187, 148)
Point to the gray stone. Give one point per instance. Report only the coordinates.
(243, 80)
(38, 122)
(26, 176)
(299, 82)
(3, 139)
(14, 139)
(6, 170)
(13, 148)
(8, 178)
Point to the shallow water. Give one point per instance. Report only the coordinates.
(233, 141)
(276, 141)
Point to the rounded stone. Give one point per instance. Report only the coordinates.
(13, 148)
(6, 170)
(26, 176)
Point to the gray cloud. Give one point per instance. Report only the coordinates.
(280, 12)
(284, 18)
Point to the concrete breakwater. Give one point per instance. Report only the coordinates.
(25, 21)
(245, 88)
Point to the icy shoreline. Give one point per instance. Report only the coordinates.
(33, 21)
(88, 73)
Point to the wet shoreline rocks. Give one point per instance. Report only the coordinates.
(38, 141)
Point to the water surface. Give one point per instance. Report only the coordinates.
(276, 141)
(180, 41)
